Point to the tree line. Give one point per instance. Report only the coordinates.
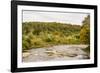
(45, 34)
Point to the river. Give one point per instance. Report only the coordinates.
(58, 52)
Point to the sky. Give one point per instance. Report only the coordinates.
(61, 17)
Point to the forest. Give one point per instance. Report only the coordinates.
(47, 34)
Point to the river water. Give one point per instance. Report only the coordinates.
(59, 52)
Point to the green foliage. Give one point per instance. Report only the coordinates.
(85, 31)
(25, 43)
(44, 34)
(37, 42)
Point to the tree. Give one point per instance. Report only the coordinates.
(85, 31)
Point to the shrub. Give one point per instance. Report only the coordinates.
(48, 37)
(25, 45)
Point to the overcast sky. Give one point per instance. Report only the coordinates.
(62, 17)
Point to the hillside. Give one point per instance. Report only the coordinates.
(45, 34)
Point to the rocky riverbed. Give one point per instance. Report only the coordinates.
(59, 52)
